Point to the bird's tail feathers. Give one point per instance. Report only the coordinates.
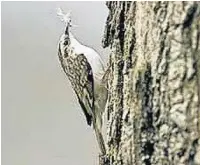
(100, 139)
(97, 125)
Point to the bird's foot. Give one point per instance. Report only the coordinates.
(103, 159)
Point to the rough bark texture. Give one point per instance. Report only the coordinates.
(153, 113)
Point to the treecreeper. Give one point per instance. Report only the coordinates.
(85, 70)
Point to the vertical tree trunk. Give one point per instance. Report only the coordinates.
(153, 114)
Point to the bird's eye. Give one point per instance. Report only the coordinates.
(65, 43)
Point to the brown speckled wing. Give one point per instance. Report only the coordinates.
(80, 75)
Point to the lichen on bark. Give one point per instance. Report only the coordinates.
(153, 111)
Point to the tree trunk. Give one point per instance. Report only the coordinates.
(153, 111)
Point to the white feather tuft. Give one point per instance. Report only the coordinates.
(59, 12)
(64, 17)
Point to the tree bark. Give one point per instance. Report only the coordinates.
(153, 110)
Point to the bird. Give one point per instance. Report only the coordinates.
(84, 68)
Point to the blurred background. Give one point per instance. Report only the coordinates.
(42, 122)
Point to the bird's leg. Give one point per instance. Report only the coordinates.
(106, 75)
(107, 88)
